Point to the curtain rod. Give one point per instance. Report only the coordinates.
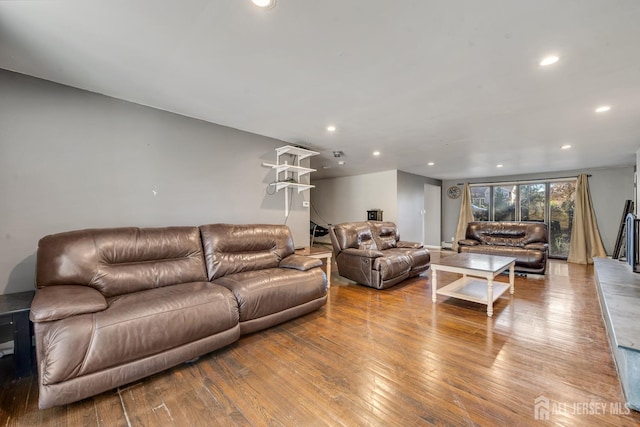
(523, 180)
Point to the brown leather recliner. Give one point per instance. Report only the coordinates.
(372, 254)
(527, 242)
(116, 305)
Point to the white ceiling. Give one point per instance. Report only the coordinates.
(455, 82)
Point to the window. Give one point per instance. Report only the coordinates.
(532, 202)
(504, 203)
(550, 201)
(480, 202)
(561, 203)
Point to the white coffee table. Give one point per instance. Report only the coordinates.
(469, 287)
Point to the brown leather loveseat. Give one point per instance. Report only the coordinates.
(372, 254)
(116, 305)
(527, 242)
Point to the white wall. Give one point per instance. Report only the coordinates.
(610, 187)
(347, 199)
(71, 159)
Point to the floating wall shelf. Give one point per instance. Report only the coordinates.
(288, 174)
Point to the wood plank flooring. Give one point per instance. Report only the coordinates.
(382, 358)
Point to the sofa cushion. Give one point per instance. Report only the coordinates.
(386, 242)
(385, 234)
(420, 258)
(392, 265)
(231, 248)
(134, 326)
(516, 234)
(354, 235)
(119, 261)
(365, 240)
(300, 262)
(58, 302)
(369, 246)
(264, 292)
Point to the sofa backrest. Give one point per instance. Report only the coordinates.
(507, 233)
(385, 234)
(230, 248)
(118, 261)
(376, 235)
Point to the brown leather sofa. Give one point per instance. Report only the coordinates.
(372, 254)
(527, 242)
(116, 305)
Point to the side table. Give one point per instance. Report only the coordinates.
(14, 311)
(325, 254)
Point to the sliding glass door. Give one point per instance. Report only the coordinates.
(550, 202)
(561, 204)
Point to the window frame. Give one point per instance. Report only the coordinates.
(518, 208)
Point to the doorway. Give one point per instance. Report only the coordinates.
(431, 215)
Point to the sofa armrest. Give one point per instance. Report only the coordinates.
(412, 245)
(59, 302)
(362, 253)
(468, 242)
(300, 262)
(537, 246)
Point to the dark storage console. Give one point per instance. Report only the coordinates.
(14, 311)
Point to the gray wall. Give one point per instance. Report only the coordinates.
(399, 194)
(609, 190)
(71, 159)
(411, 204)
(347, 199)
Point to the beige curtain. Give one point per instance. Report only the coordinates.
(585, 237)
(466, 216)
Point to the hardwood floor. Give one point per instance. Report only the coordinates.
(383, 358)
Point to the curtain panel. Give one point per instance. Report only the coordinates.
(465, 217)
(586, 242)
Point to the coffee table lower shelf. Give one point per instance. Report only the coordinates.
(473, 289)
(478, 278)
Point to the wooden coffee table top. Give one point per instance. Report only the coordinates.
(478, 262)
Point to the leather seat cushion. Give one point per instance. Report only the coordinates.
(392, 265)
(264, 292)
(420, 258)
(135, 326)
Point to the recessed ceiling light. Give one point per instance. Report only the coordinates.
(331, 128)
(549, 60)
(430, 164)
(326, 167)
(264, 3)
(566, 146)
(603, 109)
(341, 162)
(376, 153)
(498, 166)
